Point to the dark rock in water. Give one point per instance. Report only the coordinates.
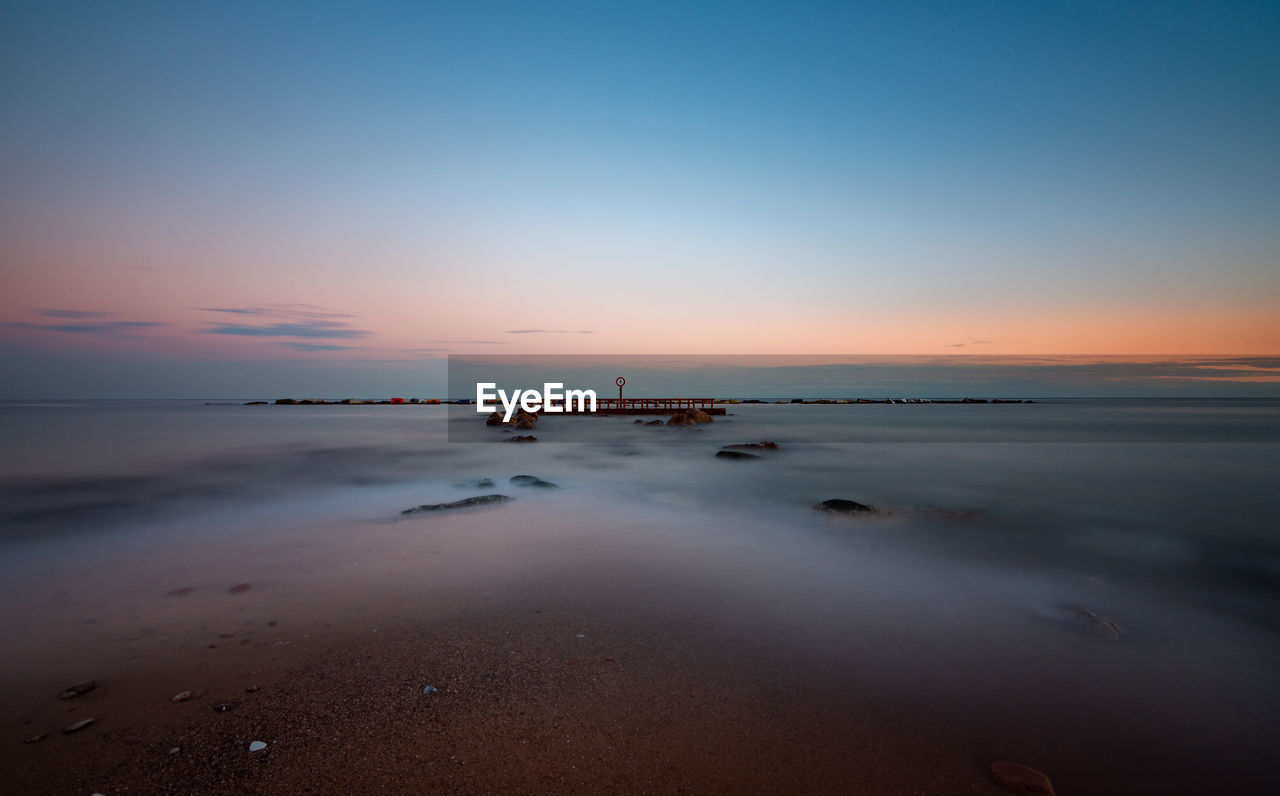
(689, 417)
(525, 423)
(239, 587)
(737, 455)
(73, 691)
(478, 500)
(285, 401)
(527, 438)
(476, 483)
(494, 419)
(638, 421)
(1021, 779)
(223, 707)
(840, 506)
(78, 726)
(183, 592)
(654, 423)
(532, 480)
(255, 403)
(753, 446)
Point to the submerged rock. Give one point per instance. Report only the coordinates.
(737, 455)
(527, 438)
(1021, 779)
(689, 417)
(841, 506)
(240, 587)
(753, 446)
(477, 483)
(532, 480)
(478, 500)
(83, 687)
(1100, 624)
(655, 423)
(494, 419)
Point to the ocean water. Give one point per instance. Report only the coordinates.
(1110, 569)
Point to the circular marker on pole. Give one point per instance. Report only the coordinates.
(620, 381)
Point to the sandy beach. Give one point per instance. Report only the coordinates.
(590, 653)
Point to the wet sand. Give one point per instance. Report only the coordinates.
(571, 659)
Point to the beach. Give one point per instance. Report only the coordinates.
(661, 621)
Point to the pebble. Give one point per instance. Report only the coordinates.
(182, 696)
(429, 690)
(239, 587)
(251, 689)
(36, 738)
(223, 707)
(73, 691)
(79, 725)
(257, 746)
(174, 750)
(1022, 779)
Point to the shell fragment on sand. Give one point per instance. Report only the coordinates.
(1021, 779)
(73, 691)
(78, 726)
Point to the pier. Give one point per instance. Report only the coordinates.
(652, 406)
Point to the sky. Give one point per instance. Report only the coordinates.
(239, 199)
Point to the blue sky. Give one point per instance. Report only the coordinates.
(755, 177)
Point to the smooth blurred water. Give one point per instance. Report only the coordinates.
(991, 541)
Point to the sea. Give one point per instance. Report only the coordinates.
(1107, 569)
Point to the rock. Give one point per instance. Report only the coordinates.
(753, 446)
(429, 690)
(528, 438)
(257, 746)
(283, 401)
(638, 422)
(223, 707)
(239, 587)
(525, 423)
(477, 483)
(679, 419)
(78, 726)
(253, 689)
(840, 506)
(181, 696)
(183, 592)
(254, 403)
(1020, 778)
(83, 687)
(173, 750)
(655, 423)
(35, 738)
(737, 455)
(494, 419)
(479, 500)
(532, 480)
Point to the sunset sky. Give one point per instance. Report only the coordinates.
(230, 199)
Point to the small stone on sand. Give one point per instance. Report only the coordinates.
(73, 691)
(1022, 779)
(182, 696)
(79, 725)
(257, 746)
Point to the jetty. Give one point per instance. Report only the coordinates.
(651, 406)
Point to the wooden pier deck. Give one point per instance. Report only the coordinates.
(652, 406)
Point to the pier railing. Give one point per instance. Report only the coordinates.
(655, 405)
